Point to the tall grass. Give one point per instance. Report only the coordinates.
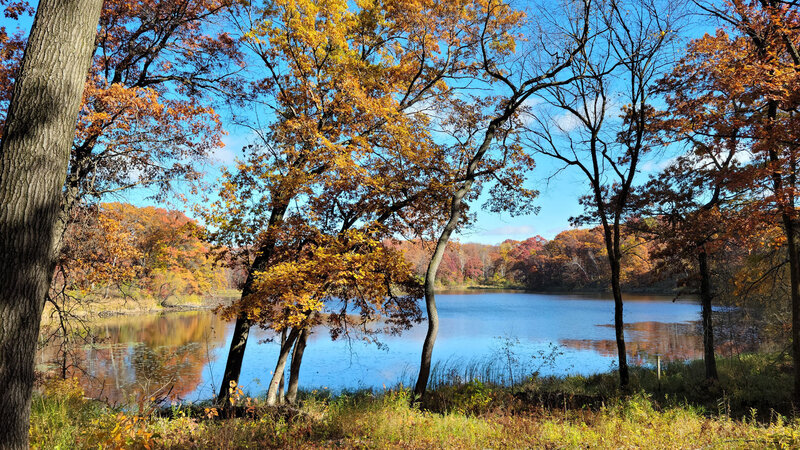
(469, 407)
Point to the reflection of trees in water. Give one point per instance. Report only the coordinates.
(735, 332)
(163, 371)
(645, 340)
(153, 355)
(740, 330)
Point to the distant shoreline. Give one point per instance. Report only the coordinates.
(136, 305)
(117, 306)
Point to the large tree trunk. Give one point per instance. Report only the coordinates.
(34, 154)
(233, 365)
(280, 367)
(294, 369)
(708, 329)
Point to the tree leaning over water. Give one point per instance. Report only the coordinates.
(344, 91)
(34, 153)
(481, 133)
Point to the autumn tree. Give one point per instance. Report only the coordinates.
(34, 150)
(343, 88)
(699, 199)
(483, 128)
(146, 118)
(158, 251)
(599, 123)
(752, 62)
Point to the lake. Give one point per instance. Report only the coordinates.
(182, 355)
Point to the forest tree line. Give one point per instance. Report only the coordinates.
(121, 250)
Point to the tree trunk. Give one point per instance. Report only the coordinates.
(456, 211)
(241, 330)
(794, 280)
(294, 369)
(233, 365)
(430, 337)
(280, 367)
(34, 154)
(708, 329)
(619, 325)
(789, 231)
(281, 390)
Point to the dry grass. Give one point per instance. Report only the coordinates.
(63, 419)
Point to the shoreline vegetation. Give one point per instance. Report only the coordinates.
(749, 407)
(92, 307)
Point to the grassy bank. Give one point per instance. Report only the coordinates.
(138, 302)
(747, 408)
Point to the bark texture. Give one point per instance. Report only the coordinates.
(233, 365)
(34, 154)
(294, 369)
(280, 367)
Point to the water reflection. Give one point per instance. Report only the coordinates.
(646, 340)
(160, 355)
(182, 355)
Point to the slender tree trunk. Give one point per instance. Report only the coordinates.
(34, 154)
(430, 337)
(708, 329)
(241, 329)
(281, 390)
(280, 367)
(611, 236)
(456, 211)
(294, 369)
(619, 325)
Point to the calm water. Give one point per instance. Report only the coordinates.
(183, 354)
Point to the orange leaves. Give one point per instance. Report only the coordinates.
(733, 97)
(312, 272)
(156, 250)
(348, 158)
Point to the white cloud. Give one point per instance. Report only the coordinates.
(231, 148)
(223, 155)
(510, 230)
(566, 122)
(656, 165)
(743, 156)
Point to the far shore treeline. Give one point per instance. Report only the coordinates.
(162, 257)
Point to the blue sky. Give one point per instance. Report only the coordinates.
(557, 201)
